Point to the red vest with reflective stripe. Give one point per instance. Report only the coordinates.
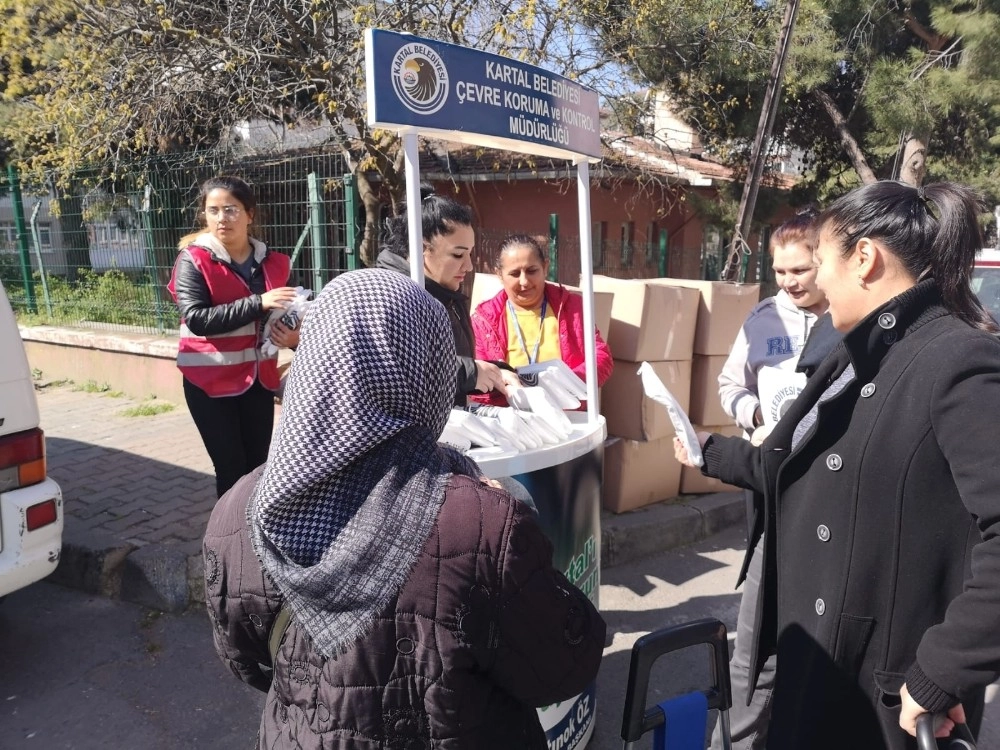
(226, 364)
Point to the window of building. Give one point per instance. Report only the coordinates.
(599, 233)
(627, 238)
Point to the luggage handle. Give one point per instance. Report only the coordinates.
(650, 647)
(961, 738)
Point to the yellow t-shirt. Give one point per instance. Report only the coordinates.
(532, 327)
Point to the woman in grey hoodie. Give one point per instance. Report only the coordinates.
(759, 381)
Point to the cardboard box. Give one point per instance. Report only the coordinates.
(602, 309)
(629, 413)
(484, 286)
(721, 311)
(693, 482)
(638, 473)
(649, 321)
(705, 405)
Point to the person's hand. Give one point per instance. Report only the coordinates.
(283, 336)
(276, 298)
(510, 378)
(910, 710)
(759, 435)
(489, 377)
(680, 452)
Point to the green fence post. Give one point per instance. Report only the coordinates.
(317, 227)
(351, 220)
(22, 237)
(553, 247)
(36, 242)
(662, 270)
(150, 239)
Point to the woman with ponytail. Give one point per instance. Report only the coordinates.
(881, 526)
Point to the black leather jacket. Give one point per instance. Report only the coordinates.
(194, 301)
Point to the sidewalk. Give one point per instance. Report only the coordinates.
(138, 492)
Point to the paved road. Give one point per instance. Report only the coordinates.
(142, 479)
(87, 673)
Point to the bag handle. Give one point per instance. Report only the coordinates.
(277, 634)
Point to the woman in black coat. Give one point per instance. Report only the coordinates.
(881, 528)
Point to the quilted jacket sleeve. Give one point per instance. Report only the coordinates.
(242, 602)
(551, 637)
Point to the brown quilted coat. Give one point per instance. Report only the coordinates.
(483, 631)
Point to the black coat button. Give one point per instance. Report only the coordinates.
(867, 390)
(820, 607)
(834, 462)
(823, 532)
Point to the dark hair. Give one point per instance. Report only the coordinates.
(519, 240)
(239, 189)
(439, 215)
(933, 230)
(801, 228)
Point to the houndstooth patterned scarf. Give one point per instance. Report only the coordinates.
(355, 478)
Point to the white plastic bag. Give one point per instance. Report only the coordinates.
(537, 401)
(655, 390)
(290, 315)
(472, 427)
(561, 396)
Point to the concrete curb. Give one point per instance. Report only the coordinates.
(92, 562)
(165, 577)
(663, 526)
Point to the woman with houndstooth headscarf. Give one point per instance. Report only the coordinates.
(425, 611)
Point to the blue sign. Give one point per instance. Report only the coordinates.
(465, 95)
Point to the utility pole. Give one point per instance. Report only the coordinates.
(755, 169)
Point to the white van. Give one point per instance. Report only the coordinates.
(986, 280)
(31, 506)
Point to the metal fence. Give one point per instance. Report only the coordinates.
(632, 260)
(96, 248)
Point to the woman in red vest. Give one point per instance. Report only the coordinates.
(225, 283)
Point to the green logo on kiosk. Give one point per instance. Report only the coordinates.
(420, 78)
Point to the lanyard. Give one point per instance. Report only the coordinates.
(532, 358)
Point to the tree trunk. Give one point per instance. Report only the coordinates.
(850, 145)
(914, 159)
(74, 232)
(373, 207)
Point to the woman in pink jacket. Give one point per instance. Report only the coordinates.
(532, 320)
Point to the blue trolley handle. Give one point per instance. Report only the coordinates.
(637, 720)
(961, 738)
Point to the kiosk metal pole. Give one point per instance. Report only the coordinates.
(587, 286)
(414, 223)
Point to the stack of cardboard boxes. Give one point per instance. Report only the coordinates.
(684, 329)
(655, 323)
(722, 308)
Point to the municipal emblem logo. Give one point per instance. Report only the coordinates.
(420, 78)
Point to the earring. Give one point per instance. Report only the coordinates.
(861, 283)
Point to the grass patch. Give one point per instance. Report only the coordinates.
(148, 409)
(91, 386)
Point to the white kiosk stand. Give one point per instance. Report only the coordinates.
(419, 86)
